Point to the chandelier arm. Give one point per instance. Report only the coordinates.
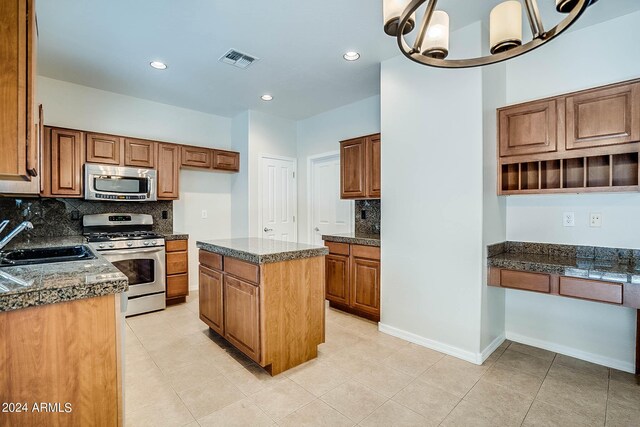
(428, 14)
(535, 21)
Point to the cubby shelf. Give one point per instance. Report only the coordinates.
(598, 173)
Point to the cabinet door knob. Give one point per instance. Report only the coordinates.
(316, 229)
(266, 230)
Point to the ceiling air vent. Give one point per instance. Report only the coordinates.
(238, 59)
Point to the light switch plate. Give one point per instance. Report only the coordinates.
(595, 220)
(569, 219)
(205, 214)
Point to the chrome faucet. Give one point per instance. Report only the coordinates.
(26, 225)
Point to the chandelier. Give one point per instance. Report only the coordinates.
(431, 45)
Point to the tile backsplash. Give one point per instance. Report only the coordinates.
(371, 211)
(53, 217)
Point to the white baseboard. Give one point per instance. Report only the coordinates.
(475, 358)
(491, 348)
(620, 365)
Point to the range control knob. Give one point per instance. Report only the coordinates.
(154, 242)
(101, 245)
(146, 243)
(111, 245)
(129, 244)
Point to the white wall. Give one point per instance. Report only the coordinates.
(268, 134)
(432, 231)
(597, 55)
(322, 134)
(80, 107)
(240, 181)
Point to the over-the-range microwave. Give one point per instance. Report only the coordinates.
(113, 183)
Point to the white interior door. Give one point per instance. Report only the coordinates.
(329, 213)
(278, 200)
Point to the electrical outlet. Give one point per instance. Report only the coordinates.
(205, 214)
(595, 220)
(569, 219)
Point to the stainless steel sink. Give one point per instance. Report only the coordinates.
(45, 255)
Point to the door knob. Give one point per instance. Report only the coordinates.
(316, 229)
(266, 230)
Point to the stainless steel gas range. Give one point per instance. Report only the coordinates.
(128, 242)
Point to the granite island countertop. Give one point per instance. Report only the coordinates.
(175, 236)
(607, 264)
(353, 238)
(40, 284)
(262, 251)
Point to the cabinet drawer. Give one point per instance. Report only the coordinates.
(369, 252)
(242, 270)
(176, 245)
(535, 282)
(177, 263)
(592, 290)
(178, 286)
(337, 248)
(210, 260)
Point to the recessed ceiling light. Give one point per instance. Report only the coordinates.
(266, 97)
(351, 56)
(158, 65)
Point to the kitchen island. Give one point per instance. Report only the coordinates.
(266, 297)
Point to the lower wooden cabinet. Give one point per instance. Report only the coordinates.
(353, 279)
(211, 295)
(242, 315)
(177, 257)
(273, 313)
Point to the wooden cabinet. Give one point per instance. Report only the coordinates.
(197, 157)
(587, 141)
(62, 154)
(177, 264)
(242, 315)
(352, 275)
(104, 149)
(601, 117)
(18, 136)
(360, 168)
(226, 160)
(273, 313)
(528, 129)
(168, 171)
(139, 153)
(211, 298)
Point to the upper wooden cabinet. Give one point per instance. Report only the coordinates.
(226, 160)
(139, 153)
(360, 168)
(587, 141)
(197, 157)
(62, 160)
(528, 129)
(603, 117)
(104, 149)
(168, 171)
(18, 136)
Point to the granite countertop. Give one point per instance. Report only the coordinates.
(262, 251)
(353, 238)
(608, 264)
(175, 236)
(45, 242)
(40, 284)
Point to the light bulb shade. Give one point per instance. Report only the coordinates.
(436, 42)
(505, 26)
(391, 10)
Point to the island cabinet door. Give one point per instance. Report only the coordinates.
(242, 316)
(337, 277)
(365, 285)
(211, 299)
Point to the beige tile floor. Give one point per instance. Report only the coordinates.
(177, 373)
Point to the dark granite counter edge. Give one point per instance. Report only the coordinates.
(17, 301)
(365, 241)
(263, 259)
(175, 236)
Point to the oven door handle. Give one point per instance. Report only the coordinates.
(131, 251)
